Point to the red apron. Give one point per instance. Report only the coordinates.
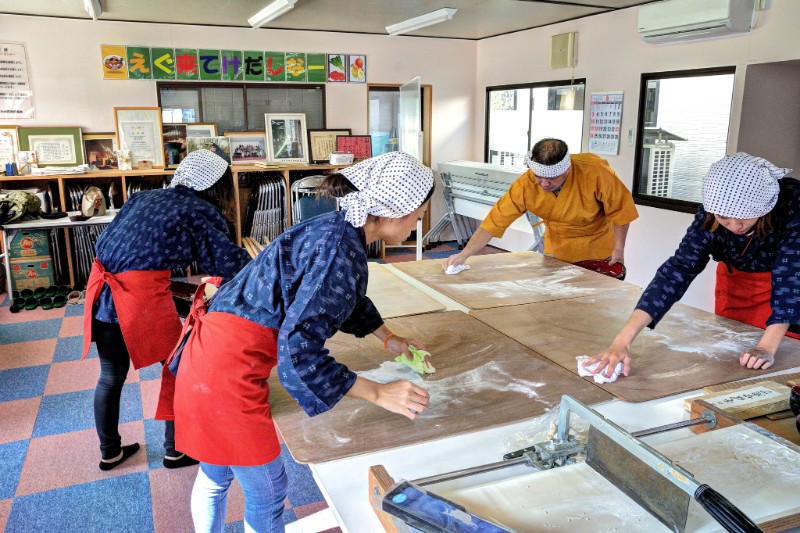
(744, 296)
(221, 395)
(147, 316)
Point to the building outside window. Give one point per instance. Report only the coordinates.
(517, 116)
(683, 129)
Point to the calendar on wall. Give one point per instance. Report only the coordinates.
(605, 122)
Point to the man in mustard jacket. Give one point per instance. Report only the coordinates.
(584, 205)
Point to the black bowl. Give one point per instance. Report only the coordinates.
(794, 400)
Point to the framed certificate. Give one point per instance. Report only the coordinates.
(57, 146)
(139, 130)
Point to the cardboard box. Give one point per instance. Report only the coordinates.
(31, 273)
(29, 243)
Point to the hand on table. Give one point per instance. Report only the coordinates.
(454, 260)
(609, 358)
(399, 345)
(402, 397)
(756, 358)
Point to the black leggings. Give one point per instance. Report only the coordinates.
(114, 364)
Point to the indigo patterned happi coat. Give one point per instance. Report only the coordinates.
(166, 229)
(308, 284)
(778, 253)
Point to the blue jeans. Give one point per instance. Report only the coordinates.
(264, 490)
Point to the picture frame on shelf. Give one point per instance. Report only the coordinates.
(357, 68)
(139, 130)
(100, 150)
(322, 142)
(209, 143)
(9, 145)
(247, 146)
(54, 146)
(201, 129)
(174, 138)
(359, 145)
(337, 68)
(287, 139)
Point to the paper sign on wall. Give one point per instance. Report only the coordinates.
(604, 123)
(16, 96)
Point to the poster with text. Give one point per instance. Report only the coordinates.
(604, 123)
(16, 96)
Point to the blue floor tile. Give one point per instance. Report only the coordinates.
(73, 310)
(440, 255)
(120, 504)
(70, 349)
(150, 373)
(12, 455)
(154, 437)
(35, 330)
(302, 488)
(73, 411)
(26, 382)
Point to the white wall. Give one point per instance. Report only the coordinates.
(612, 57)
(64, 63)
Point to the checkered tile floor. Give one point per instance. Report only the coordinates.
(49, 480)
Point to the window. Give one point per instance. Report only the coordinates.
(240, 107)
(683, 128)
(384, 106)
(517, 116)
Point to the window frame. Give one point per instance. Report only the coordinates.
(198, 85)
(659, 202)
(534, 85)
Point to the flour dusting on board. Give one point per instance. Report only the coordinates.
(456, 391)
(718, 342)
(553, 284)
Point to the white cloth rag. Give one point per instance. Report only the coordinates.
(455, 269)
(585, 371)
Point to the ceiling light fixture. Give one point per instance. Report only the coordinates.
(93, 8)
(422, 21)
(271, 12)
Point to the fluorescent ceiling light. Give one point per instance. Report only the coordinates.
(93, 8)
(271, 12)
(428, 19)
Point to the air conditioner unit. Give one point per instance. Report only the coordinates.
(684, 20)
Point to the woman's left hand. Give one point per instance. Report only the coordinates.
(756, 358)
(398, 345)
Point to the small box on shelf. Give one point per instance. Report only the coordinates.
(29, 243)
(31, 273)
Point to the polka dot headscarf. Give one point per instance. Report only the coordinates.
(548, 171)
(199, 170)
(390, 185)
(742, 186)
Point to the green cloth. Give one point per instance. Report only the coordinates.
(418, 364)
(18, 204)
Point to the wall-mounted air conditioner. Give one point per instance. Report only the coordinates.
(683, 20)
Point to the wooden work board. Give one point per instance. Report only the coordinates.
(516, 278)
(690, 349)
(394, 297)
(483, 379)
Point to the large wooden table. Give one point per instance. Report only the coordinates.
(483, 379)
(689, 349)
(394, 297)
(517, 278)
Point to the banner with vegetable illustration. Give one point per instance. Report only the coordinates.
(144, 63)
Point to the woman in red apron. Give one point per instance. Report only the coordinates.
(129, 309)
(750, 222)
(279, 311)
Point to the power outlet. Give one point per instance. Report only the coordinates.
(631, 139)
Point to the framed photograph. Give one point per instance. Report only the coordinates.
(286, 137)
(359, 145)
(139, 130)
(57, 146)
(174, 138)
(357, 71)
(209, 143)
(322, 142)
(9, 145)
(337, 68)
(101, 151)
(201, 129)
(247, 146)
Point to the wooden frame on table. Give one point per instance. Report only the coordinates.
(54, 146)
(286, 137)
(247, 146)
(322, 142)
(209, 143)
(359, 145)
(100, 150)
(201, 129)
(175, 147)
(9, 145)
(139, 130)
